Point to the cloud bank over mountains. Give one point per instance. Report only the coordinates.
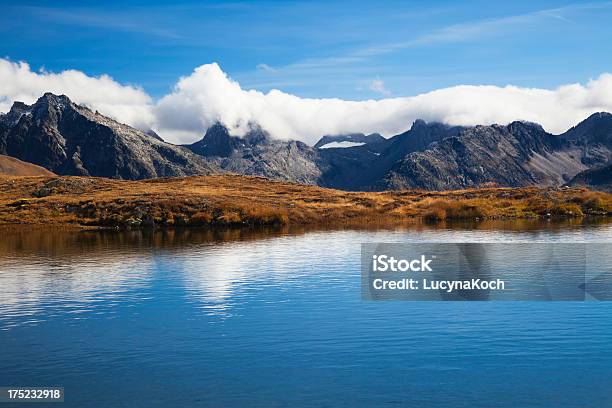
(208, 95)
(125, 103)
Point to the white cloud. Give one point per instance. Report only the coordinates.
(127, 104)
(378, 85)
(208, 95)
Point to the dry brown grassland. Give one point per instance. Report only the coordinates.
(240, 200)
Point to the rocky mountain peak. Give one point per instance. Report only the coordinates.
(257, 135)
(523, 125)
(50, 97)
(421, 135)
(216, 142)
(418, 124)
(597, 128)
(50, 108)
(599, 116)
(19, 107)
(52, 101)
(217, 128)
(421, 127)
(15, 113)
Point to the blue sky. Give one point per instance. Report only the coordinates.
(351, 50)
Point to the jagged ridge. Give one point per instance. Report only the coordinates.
(69, 139)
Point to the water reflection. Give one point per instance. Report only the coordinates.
(53, 243)
(214, 274)
(48, 285)
(45, 272)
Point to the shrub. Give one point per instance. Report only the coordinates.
(566, 210)
(263, 215)
(229, 217)
(595, 203)
(434, 214)
(444, 209)
(201, 218)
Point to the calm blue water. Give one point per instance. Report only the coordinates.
(200, 319)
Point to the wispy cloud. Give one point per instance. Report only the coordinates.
(109, 20)
(454, 33)
(378, 85)
(266, 68)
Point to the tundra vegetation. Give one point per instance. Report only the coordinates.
(240, 200)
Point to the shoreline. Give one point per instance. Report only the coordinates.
(245, 201)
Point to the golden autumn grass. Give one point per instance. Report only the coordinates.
(240, 200)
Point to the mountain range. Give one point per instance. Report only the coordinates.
(70, 139)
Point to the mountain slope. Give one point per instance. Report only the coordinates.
(599, 178)
(519, 154)
(363, 167)
(594, 137)
(597, 128)
(70, 139)
(10, 166)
